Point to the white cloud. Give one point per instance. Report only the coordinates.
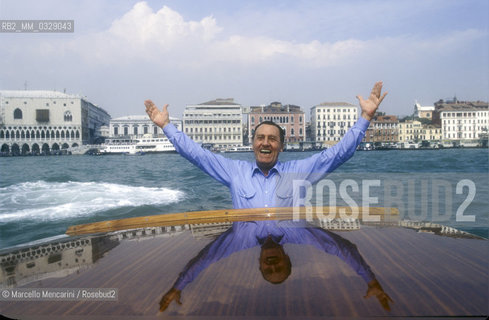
(141, 26)
(165, 38)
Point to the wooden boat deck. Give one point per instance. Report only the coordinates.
(425, 274)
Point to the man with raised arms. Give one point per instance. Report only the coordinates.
(267, 182)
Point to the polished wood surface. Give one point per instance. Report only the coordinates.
(231, 215)
(425, 274)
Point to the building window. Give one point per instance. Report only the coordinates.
(17, 114)
(68, 116)
(42, 115)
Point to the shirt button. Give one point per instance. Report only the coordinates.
(266, 191)
(266, 206)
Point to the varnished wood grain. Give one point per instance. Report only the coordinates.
(231, 215)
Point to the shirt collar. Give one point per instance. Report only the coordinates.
(277, 238)
(277, 168)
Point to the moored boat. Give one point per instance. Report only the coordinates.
(146, 144)
(239, 149)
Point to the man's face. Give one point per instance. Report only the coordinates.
(267, 146)
(274, 263)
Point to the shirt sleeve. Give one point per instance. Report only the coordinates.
(317, 166)
(333, 244)
(217, 166)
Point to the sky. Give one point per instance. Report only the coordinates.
(186, 52)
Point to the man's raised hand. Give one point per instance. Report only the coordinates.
(370, 105)
(172, 294)
(375, 290)
(159, 118)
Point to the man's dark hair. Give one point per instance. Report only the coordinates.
(280, 130)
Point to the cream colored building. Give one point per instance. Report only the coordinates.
(431, 133)
(415, 131)
(136, 126)
(410, 130)
(331, 120)
(36, 121)
(425, 112)
(218, 123)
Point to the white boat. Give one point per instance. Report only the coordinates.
(239, 149)
(408, 145)
(146, 144)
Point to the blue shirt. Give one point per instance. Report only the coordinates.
(249, 187)
(245, 235)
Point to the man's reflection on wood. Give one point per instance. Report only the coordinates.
(275, 265)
